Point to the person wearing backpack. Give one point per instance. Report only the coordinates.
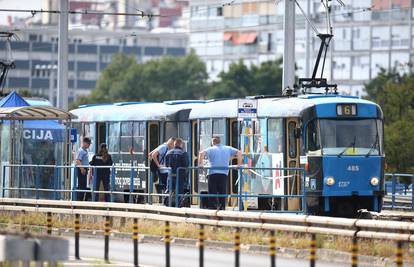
(177, 158)
(158, 157)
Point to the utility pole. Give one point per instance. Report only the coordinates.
(62, 90)
(308, 42)
(289, 45)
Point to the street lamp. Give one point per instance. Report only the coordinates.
(51, 68)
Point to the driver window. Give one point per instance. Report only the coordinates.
(312, 136)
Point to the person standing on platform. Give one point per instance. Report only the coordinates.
(82, 172)
(219, 156)
(177, 158)
(158, 156)
(102, 174)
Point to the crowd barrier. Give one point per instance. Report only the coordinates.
(357, 230)
(135, 184)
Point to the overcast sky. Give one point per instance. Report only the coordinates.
(18, 4)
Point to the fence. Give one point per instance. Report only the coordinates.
(399, 194)
(135, 185)
(401, 233)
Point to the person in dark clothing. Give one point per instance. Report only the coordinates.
(174, 159)
(102, 174)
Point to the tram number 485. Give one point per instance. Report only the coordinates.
(343, 183)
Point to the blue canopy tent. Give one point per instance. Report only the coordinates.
(42, 143)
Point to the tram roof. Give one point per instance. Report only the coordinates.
(35, 113)
(131, 112)
(271, 107)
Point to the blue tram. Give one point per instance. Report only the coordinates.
(337, 139)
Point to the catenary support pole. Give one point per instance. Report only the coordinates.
(289, 45)
(62, 92)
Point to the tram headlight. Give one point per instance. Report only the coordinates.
(374, 181)
(330, 180)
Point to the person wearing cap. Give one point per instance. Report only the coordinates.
(82, 160)
(102, 158)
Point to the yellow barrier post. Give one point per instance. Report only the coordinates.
(49, 223)
(272, 248)
(399, 255)
(135, 240)
(354, 251)
(107, 230)
(201, 244)
(77, 230)
(312, 250)
(23, 221)
(237, 247)
(167, 241)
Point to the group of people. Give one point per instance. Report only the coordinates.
(102, 158)
(171, 163)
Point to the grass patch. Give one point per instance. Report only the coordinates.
(381, 248)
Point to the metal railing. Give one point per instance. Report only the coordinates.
(400, 196)
(140, 188)
(357, 229)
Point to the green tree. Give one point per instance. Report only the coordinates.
(156, 80)
(394, 93)
(241, 81)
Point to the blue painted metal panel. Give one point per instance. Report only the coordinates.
(42, 47)
(136, 50)
(18, 82)
(40, 83)
(153, 51)
(24, 46)
(352, 175)
(85, 84)
(87, 49)
(176, 51)
(109, 49)
(22, 64)
(83, 65)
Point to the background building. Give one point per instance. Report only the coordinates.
(369, 35)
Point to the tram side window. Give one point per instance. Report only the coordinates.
(113, 140)
(138, 141)
(313, 143)
(171, 130)
(90, 131)
(205, 134)
(184, 133)
(292, 139)
(219, 129)
(275, 135)
(126, 141)
(259, 138)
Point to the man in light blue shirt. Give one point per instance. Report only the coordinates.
(82, 160)
(219, 156)
(158, 156)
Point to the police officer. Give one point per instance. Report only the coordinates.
(177, 158)
(219, 156)
(82, 160)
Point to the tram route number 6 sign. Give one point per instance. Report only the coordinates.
(247, 108)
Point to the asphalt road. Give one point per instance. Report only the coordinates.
(153, 254)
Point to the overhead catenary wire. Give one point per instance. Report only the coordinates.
(82, 12)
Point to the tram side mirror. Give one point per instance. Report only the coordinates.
(297, 132)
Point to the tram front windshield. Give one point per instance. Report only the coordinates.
(350, 137)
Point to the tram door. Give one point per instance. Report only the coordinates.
(194, 160)
(233, 137)
(100, 135)
(292, 182)
(153, 141)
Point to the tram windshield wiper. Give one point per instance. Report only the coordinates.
(352, 144)
(373, 146)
